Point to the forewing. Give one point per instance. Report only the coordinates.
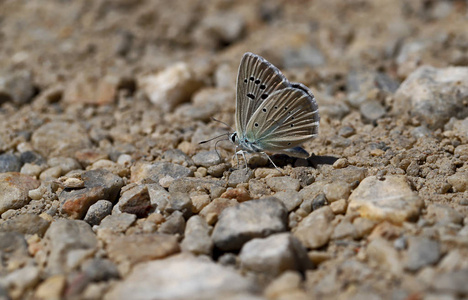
(287, 119)
(257, 79)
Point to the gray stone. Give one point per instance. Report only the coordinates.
(372, 110)
(207, 158)
(136, 248)
(283, 183)
(346, 131)
(248, 220)
(178, 157)
(154, 172)
(315, 230)
(291, 199)
(9, 163)
(179, 202)
(197, 236)
(26, 224)
(118, 223)
(59, 138)
(98, 211)
(186, 185)
(20, 280)
(136, 200)
(274, 254)
(306, 55)
(99, 184)
(32, 157)
(66, 164)
(344, 230)
(240, 176)
(452, 282)
(14, 188)
(220, 29)
(174, 224)
(389, 199)
(99, 269)
(201, 278)
(219, 169)
(16, 87)
(258, 188)
(13, 250)
(434, 95)
(319, 201)
(68, 243)
(421, 252)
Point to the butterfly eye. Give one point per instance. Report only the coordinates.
(233, 137)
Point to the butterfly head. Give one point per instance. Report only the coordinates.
(234, 138)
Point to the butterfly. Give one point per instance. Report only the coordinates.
(272, 114)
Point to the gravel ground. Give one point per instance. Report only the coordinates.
(106, 193)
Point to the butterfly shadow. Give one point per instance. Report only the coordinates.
(314, 161)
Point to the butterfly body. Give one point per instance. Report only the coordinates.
(272, 114)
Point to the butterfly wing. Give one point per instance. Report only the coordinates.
(257, 79)
(287, 119)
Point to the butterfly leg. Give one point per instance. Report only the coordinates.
(269, 158)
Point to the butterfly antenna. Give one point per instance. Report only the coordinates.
(216, 144)
(216, 137)
(225, 124)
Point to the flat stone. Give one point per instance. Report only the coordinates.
(20, 280)
(434, 95)
(372, 110)
(248, 220)
(283, 183)
(258, 189)
(154, 172)
(68, 243)
(240, 176)
(343, 230)
(291, 199)
(452, 282)
(16, 87)
(59, 138)
(197, 236)
(339, 207)
(97, 212)
(422, 252)
(66, 164)
(207, 158)
(14, 188)
(51, 288)
(444, 214)
(176, 156)
(336, 191)
(9, 163)
(315, 230)
(215, 187)
(390, 199)
(98, 185)
(160, 279)
(13, 250)
(240, 194)
(274, 255)
(118, 223)
(26, 224)
(88, 88)
(134, 248)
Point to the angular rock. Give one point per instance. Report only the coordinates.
(314, 231)
(291, 199)
(59, 138)
(158, 170)
(16, 87)
(117, 223)
(69, 243)
(389, 199)
(174, 224)
(212, 211)
(178, 157)
(187, 185)
(382, 252)
(452, 282)
(170, 87)
(283, 183)
(459, 181)
(90, 89)
(197, 236)
(274, 254)
(444, 214)
(14, 188)
(142, 247)
(98, 185)
(422, 252)
(136, 200)
(9, 163)
(26, 224)
(336, 191)
(201, 278)
(207, 158)
(13, 250)
(248, 220)
(239, 176)
(97, 212)
(434, 95)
